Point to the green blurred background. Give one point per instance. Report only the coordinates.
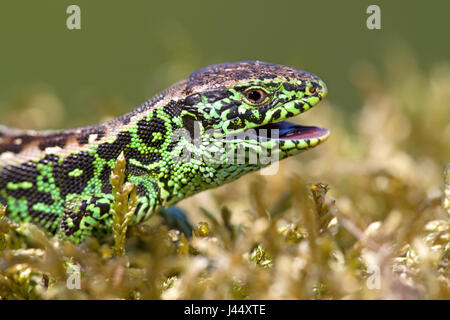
(127, 51)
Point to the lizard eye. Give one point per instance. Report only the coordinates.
(256, 96)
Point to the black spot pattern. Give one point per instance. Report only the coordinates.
(110, 151)
(144, 158)
(173, 108)
(25, 172)
(147, 128)
(83, 136)
(15, 144)
(215, 95)
(75, 215)
(234, 104)
(69, 184)
(28, 172)
(57, 141)
(276, 115)
(78, 211)
(105, 179)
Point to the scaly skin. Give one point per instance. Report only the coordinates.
(176, 144)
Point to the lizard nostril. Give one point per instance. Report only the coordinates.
(313, 89)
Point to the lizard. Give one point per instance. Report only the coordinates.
(175, 145)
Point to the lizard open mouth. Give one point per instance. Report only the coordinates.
(290, 131)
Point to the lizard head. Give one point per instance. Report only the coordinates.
(229, 119)
(249, 102)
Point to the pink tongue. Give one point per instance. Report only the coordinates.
(308, 133)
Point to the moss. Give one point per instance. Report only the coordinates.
(124, 205)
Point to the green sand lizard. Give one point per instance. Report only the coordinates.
(175, 145)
